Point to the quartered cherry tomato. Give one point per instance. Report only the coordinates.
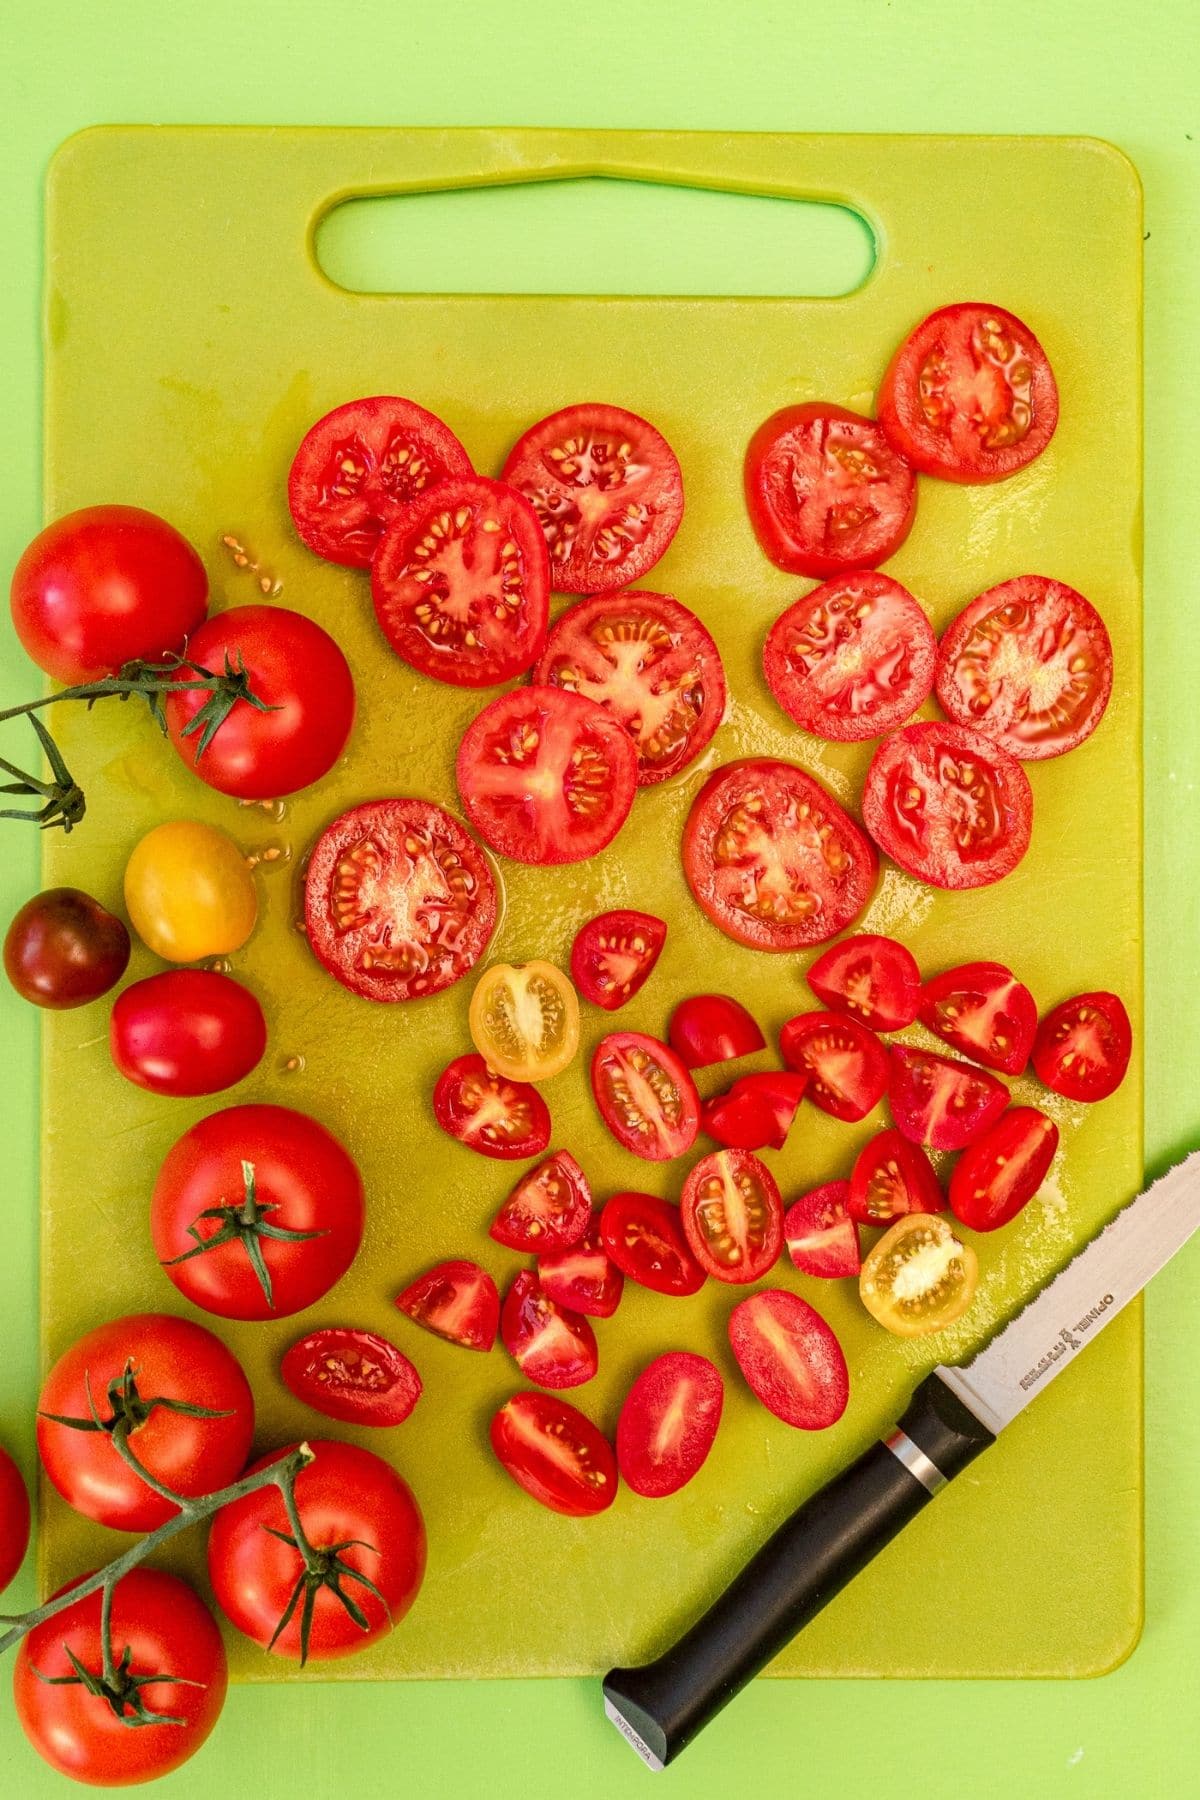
(486, 1112)
(668, 1423)
(948, 805)
(1001, 1171)
(613, 954)
(940, 1102)
(874, 979)
(186, 1031)
(456, 1301)
(524, 1020)
(189, 892)
(892, 1177)
(846, 1065)
(583, 1277)
(790, 1358)
(1083, 1047)
(14, 1519)
(556, 1454)
(352, 1375)
(757, 1111)
(919, 1277)
(821, 1237)
(713, 1028)
(644, 1237)
(64, 949)
(852, 659)
(549, 1209)
(552, 1346)
(983, 1011)
(732, 1216)
(645, 1095)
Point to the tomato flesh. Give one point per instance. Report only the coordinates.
(1083, 1047)
(351, 1375)
(644, 1237)
(1001, 1172)
(583, 1278)
(948, 805)
(64, 949)
(892, 1177)
(983, 1011)
(732, 1216)
(873, 979)
(668, 1423)
(524, 1020)
(505, 1119)
(614, 954)
(852, 659)
(940, 1102)
(645, 1095)
(456, 1300)
(186, 1031)
(549, 1209)
(551, 1345)
(821, 1236)
(757, 1112)
(713, 1028)
(556, 1454)
(790, 1359)
(919, 1277)
(846, 1065)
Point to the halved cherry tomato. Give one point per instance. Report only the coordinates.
(556, 1454)
(457, 1301)
(644, 1237)
(505, 1119)
(14, 1519)
(940, 1102)
(984, 1012)
(919, 1277)
(546, 776)
(846, 1065)
(713, 1028)
(853, 658)
(821, 1237)
(892, 1177)
(549, 1209)
(772, 859)
(64, 949)
(1030, 664)
(461, 583)
(1083, 1046)
(189, 892)
(552, 1346)
(652, 664)
(757, 1112)
(645, 1095)
(186, 1031)
(732, 1216)
(969, 395)
(790, 1358)
(351, 1375)
(582, 1277)
(524, 1020)
(948, 804)
(1001, 1171)
(359, 466)
(399, 901)
(607, 489)
(613, 955)
(874, 979)
(668, 1423)
(826, 491)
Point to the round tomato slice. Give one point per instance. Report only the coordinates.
(852, 659)
(969, 395)
(461, 583)
(826, 491)
(713, 1028)
(360, 466)
(505, 1119)
(645, 1095)
(846, 1065)
(1083, 1047)
(1030, 664)
(1001, 1172)
(757, 1112)
(874, 979)
(456, 1301)
(668, 1423)
(892, 1177)
(940, 1102)
(948, 805)
(613, 954)
(984, 1012)
(732, 1216)
(821, 1237)
(549, 1209)
(399, 901)
(546, 776)
(644, 1237)
(652, 664)
(919, 1277)
(607, 490)
(582, 1277)
(790, 1358)
(772, 859)
(355, 1376)
(556, 1454)
(552, 1346)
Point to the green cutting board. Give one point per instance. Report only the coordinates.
(190, 341)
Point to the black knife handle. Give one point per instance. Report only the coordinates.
(823, 1545)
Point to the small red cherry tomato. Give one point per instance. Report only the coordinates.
(64, 949)
(1083, 1047)
(645, 1095)
(487, 1112)
(550, 1207)
(713, 1028)
(790, 1358)
(457, 1301)
(1001, 1171)
(757, 1112)
(732, 1216)
(668, 1423)
(846, 1065)
(852, 659)
(556, 1454)
(613, 954)
(874, 979)
(892, 1177)
(351, 1375)
(948, 805)
(984, 1012)
(14, 1519)
(582, 1277)
(644, 1237)
(186, 1031)
(821, 1237)
(552, 1346)
(940, 1102)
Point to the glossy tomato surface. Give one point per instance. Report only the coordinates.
(186, 1031)
(352, 1375)
(892, 1177)
(14, 1519)
(549, 1208)
(1001, 1172)
(983, 1011)
(821, 1236)
(919, 1277)
(556, 1454)
(189, 892)
(505, 1119)
(582, 1277)
(456, 1300)
(1083, 1047)
(757, 1111)
(668, 1423)
(852, 659)
(873, 979)
(846, 1065)
(940, 1102)
(948, 805)
(551, 1345)
(713, 1028)
(64, 949)
(613, 956)
(791, 1359)
(732, 1216)
(645, 1095)
(644, 1236)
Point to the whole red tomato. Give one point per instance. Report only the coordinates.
(186, 1031)
(63, 949)
(14, 1519)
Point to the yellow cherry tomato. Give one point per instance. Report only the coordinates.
(919, 1277)
(525, 1020)
(189, 892)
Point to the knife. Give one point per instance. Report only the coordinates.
(954, 1415)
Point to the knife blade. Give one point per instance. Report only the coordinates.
(954, 1415)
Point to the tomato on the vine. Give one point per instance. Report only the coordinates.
(189, 892)
(186, 1031)
(64, 949)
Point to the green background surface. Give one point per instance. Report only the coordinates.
(757, 66)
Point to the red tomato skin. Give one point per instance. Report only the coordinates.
(320, 1369)
(873, 979)
(528, 1314)
(582, 1277)
(998, 1175)
(433, 1301)
(670, 1134)
(529, 1222)
(344, 1493)
(467, 1087)
(801, 1043)
(944, 998)
(514, 1433)
(174, 1359)
(1103, 1009)
(105, 586)
(818, 1405)
(757, 1112)
(911, 1185)
(186, 1031)
(912, 1070)
(64, 949)
(170, 1631)
(745, 1170)
(713, 1028)
(644, 1237)
(14, 1519)
(678, 1382)
(635, 936)
(811, 688)
(821, 1236)
(928, 850)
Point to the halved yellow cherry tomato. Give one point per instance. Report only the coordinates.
(525, 1020)
(189, 892)
(919, 1277)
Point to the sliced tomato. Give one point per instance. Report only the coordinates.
(790, 1358)
(461, 584)
(940, 1102)
(556, 1454)
(550, 1207)
(546, 776)
(852, 659)
(1083, 1047)
(352, 1375)
(645, 1095)
(668, 1423)
(457, 1301)
(524, 1020)
(552, 1346)
(919, 1277)
(892, 1177)
(713, 1028)
(607, 490)
(644, 1237)
(772, 859)
(846, 1065)
(983, 1011)
(757, 1112)
(826, 492)
(505, 1119)
(948, 805)
(969, 395)
(874, 979)
(613, 955)
(582, 1277)
(732, 1216)
(360, 466)
(821, 1237)
(399, 901)
(1001, 1171)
